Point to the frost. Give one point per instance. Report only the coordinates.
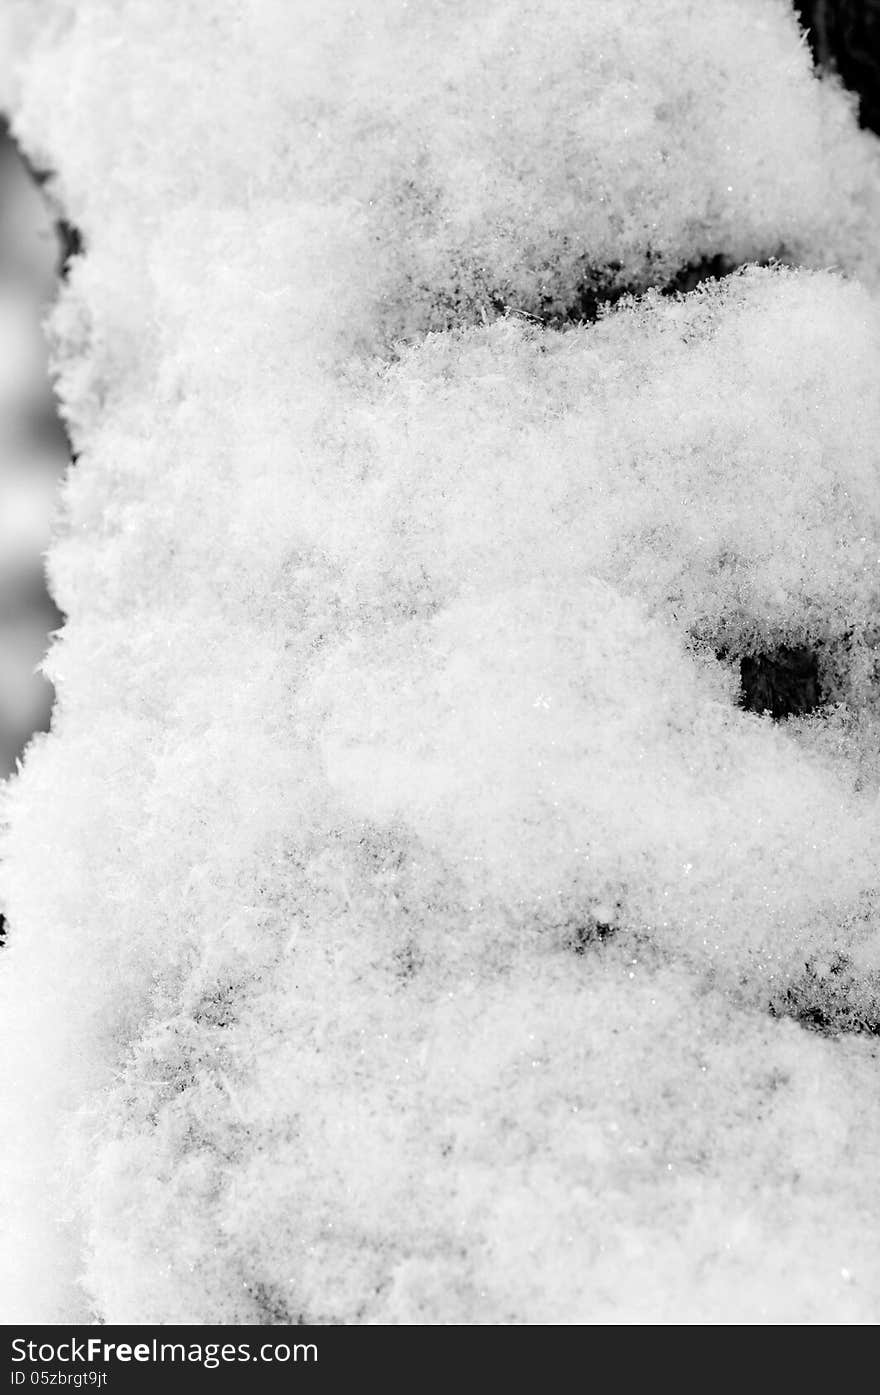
(448, 891)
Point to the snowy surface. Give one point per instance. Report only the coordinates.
(407, 922)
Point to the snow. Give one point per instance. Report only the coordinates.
(407, 923)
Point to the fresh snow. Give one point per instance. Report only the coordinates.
(407, 922)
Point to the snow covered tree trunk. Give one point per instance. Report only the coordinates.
(408, 921)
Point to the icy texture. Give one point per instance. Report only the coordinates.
(407, 923)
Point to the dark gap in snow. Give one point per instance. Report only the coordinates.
(602, 289)
(71, 241)
(716, 268)
(696, 273)
(783, 682)
(822, 1000)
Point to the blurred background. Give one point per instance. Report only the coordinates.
(34, 452)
